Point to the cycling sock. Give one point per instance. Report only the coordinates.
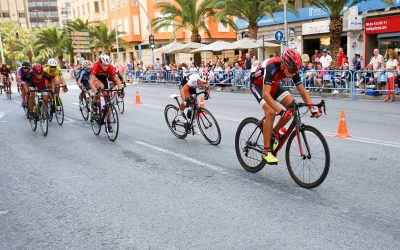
(266, 150)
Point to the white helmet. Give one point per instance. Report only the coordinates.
(104, 59)
(52, 62)
(203, 76)
(87, 64)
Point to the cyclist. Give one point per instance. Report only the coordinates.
(188, 87)
(266, 88)
(36, 79)
(24, 70)
(5, 74)
(57, 79)
(102, 71)
(83, 78)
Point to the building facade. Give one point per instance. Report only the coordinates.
(95, 11)
(15, 10)
(43, 13)
(64, 11)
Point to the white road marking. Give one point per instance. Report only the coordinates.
(184, 157)
(75, 103)
(396, 116)
(367, 140)
(244, 101)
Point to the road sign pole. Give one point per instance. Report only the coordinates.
(285, 24)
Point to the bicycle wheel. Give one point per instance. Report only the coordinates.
(120, 104)
(33, 121)
(208, 126)
(50, 110)
(84, 108)
(59, 110)
(310, 169)
(249, 145)
(111, 123)
(96, 125)
(44, 125)
(8, 91)
(177, 128)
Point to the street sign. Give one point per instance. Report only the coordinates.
(278, 35)
(82, 51)
(80, 34)
(290, 31)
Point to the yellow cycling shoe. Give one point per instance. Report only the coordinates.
(269, 158)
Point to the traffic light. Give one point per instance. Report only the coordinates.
(16, 35)
(151, 42)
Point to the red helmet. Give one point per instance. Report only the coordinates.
(37, 68)
(3, 65)
(291, 59)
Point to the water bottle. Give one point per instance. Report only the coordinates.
(189, 113)
(280, 134)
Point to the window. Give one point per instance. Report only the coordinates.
(78, 10)
(88, 8)
(96, 7)
(119, 25)
(102, 6)
(124, 3)
(74, 14)
(118, 3)
(112, 4)
(126, 26)
(136, 25)
(6, 14)
(221, 28)
(83, 9)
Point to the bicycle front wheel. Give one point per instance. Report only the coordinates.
(59, 111)
(33, 121)
(178, 128)
(208, 126)
(8, 90)
(120, 105)
(308, 157)
(249, 143)
(50, 110)
(44, 125)
(84, 107)
(112, 123)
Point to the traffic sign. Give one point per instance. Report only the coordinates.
(278, 35)
(80, 33)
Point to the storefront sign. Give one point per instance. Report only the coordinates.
(316, 27)
(382, 25)
(355, 22)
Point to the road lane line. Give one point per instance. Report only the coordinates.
(367, 140)
(184, 157)
(395, 116)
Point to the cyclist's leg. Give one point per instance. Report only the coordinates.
(31, 97)
(55, 83)
(24, 90)
(285, 98)
(95, 86)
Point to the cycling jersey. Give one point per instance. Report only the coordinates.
(54, 73)
(103, 75)
(192, 81)
(5, 71)
(35, 82)
(84, 76)
(21, 73)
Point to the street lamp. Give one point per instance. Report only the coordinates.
(116, 30)
(149, 21)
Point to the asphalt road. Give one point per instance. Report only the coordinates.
(150, 190)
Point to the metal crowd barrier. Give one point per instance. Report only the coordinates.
(318, 81)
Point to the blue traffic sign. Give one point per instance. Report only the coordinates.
(278, 35)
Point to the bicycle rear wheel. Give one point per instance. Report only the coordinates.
(177, 128)
(310, 167)
(33, 121)
(112, 123)
(8, 91)
(249, 145)
(84, 108)
(59, 110)
(209, 126)
(44, 125)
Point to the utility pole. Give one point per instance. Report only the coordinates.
(286, 39)
(149, 21)
(116, 30)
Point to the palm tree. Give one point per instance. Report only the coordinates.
(73, 26)
(52, 40)
(103, 38)
(8, 34)
(250, 10)
(186, 14)
(25, 49)
(334, 8)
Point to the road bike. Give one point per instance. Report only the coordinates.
(307, 157)
(6, 85)
(39, 112)
(118, 101)
(56, 107)
(105, 115)
(84, 105)
(206, 122)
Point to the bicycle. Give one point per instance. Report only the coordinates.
(39, 113)
(56, 107)
(312, 151)
(119, 101)
(84, 105)
(107, 116)
(7, 87)
(205, 120)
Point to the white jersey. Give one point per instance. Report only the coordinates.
(192, 80)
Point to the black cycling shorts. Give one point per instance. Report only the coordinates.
(279, 94)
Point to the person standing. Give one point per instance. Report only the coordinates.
(315, 57)
(247, 62)
(357, 62)
(376, 64)
(341, 57)
(325, 59)
(391, 67)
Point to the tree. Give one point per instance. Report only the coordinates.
(186, 14)
(76, 25)
(10, 41)
(250, 10)
(102, 38)
(25, 49)
(51, 40)
(335, 9)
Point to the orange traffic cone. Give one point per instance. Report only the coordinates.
(342, 131)
(138, 101)
(202, 102)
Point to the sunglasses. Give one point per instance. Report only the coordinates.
(53, 67)
(25, 67)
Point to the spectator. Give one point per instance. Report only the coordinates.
(357, 62)
(376, 64)
(315, 57)
(310, 74)
(391, 65)
(341, 58)
(157, 65)
(318, 79)
(325, 60)
(247, 62)
(276, 54)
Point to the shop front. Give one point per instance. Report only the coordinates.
(382, 33)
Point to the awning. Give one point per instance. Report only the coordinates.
(395, 34)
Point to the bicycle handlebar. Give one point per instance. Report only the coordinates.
(321, 105)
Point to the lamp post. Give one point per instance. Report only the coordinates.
(149, 21)
(116, 30)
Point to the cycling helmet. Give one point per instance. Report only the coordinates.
(37, 68)
(203, 76)
(52, 62)
(291, 59)
(4, 65)
(87, 64)
(26, 64)
(104, 59)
